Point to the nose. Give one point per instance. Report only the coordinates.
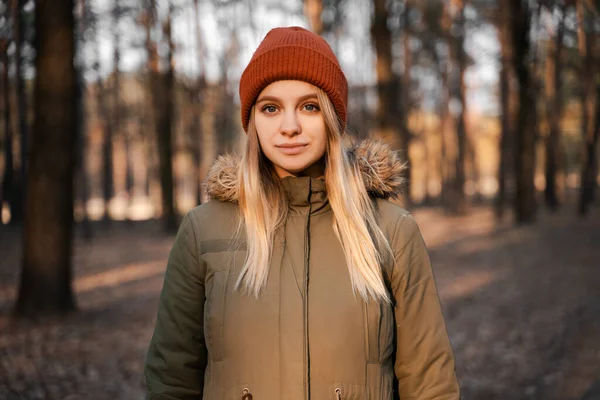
(290, 125)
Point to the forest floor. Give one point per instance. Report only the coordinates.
(522, 305)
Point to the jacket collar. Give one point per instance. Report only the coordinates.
(380, 166)
(304, 191)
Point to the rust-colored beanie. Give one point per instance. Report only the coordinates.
(293, 53)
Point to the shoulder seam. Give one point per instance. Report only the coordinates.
(397, 226)
(191, 221)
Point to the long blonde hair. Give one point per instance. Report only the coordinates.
(263, 209)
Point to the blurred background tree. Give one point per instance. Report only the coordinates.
(45, 285)
(492, 103)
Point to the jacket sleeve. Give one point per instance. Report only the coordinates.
(176, 358)
(424, 363)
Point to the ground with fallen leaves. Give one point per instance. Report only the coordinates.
(522, 305)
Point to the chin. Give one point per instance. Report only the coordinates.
(294, 167)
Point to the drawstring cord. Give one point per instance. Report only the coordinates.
(246, 395)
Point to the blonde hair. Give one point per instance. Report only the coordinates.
(263, 209)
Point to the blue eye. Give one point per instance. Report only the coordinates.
(311, 107)
(269, 109)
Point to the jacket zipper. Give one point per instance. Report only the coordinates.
(305, 305)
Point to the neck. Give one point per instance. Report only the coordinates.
(315, 170)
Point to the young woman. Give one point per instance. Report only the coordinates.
(300, 279)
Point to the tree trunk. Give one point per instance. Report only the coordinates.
(590, 138)
(503, 29)
(8, 178)
(166, 138)
(313, 10)
(147, 151)
(151, 136)
(129, 178)
(458, 203)
(505, 134)
(525, 203)
(197, 131)
(19, 179)
(162, 96)
(107, 153)
(83, 184)
(590, 163)
(445, 121)
(405, 92)
(105, 130)
(595, 163)
(116, 107)
(45, 285)
(445, 170)
(111, 111)
(554, 92)
(388, 84)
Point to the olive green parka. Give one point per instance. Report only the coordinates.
(307, 336)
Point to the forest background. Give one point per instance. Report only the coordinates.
(112, 112)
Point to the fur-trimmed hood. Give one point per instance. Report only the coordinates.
(381, 167)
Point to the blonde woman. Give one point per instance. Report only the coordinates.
(300, 279)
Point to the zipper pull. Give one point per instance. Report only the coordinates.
(246, 395)
(338, 394)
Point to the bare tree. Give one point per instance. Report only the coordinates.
(389, 116)
(313, 10)
(589, 131)
(107, 158)
(12, 180)
(434, 35)
(166, 129)
(555, 107)
(82, 178)
(6, 192)
(107, 135)
(525, 203)
(116, 120)
(405, 100)
(445, 129)
(197, 100)
(45, 285)
(506, 74)
(19, 180)
(456, 37)
(592, 155)
(161, 86)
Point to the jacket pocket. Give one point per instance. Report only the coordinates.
(379, 331)
(372, 324)
(214, 312)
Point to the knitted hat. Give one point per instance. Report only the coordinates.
(293, 53)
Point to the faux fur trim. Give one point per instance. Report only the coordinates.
(381, 168)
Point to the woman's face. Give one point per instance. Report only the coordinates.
(291, 128)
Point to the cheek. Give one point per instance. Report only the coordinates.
(264, 130)
(321, 138)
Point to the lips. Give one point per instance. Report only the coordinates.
(292, 148)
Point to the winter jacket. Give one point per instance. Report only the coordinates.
(307, 336)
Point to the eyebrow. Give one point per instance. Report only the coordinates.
(276, 99)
